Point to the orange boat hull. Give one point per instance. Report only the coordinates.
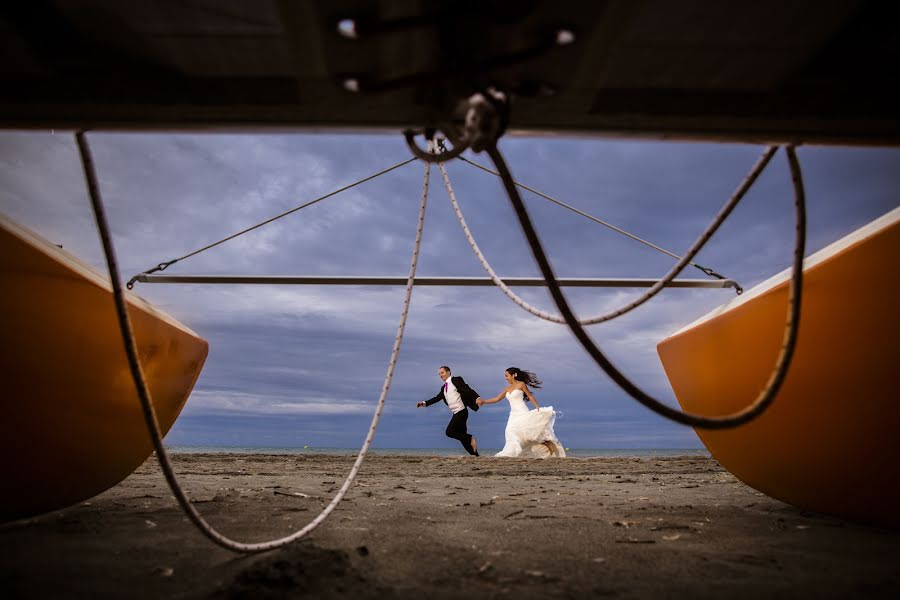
(830, 440)
(72, 421)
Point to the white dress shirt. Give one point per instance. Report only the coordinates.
(454, 400)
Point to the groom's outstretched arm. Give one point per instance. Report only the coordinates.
(437, 398)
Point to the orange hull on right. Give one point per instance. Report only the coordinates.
(830, 442)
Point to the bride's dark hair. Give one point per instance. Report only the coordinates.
(526, 377)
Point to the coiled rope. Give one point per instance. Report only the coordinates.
(147, 403)
(652, 291)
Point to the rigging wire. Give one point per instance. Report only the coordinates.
(164, 265)
(705, 270)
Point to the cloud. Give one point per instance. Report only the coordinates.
(291, 364)
(232, 402)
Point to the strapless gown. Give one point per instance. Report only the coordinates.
(527, 430)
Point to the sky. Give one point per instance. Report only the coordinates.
(290, 366)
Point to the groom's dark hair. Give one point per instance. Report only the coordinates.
(446, 368)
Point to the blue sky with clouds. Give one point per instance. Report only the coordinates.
(294, 366)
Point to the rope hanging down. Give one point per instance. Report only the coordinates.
(667, 279)
(705, 270)
(765, 397)
(164, 265)
(144, 393)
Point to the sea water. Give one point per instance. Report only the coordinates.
(570, 452)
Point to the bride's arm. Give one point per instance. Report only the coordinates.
(496, 398)
(531, 397)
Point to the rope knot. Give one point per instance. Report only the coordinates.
(487, 115)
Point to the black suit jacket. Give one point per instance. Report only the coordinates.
(468, 395)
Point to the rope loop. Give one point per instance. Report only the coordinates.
(427, 155)
(485, 117)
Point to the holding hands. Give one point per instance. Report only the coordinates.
(420, 405)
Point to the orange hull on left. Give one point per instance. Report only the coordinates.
(72, 422)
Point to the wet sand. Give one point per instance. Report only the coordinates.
(447, 527)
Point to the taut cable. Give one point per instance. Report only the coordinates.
(164, 265)
(705, 270)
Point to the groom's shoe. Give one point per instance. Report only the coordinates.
(475, 446)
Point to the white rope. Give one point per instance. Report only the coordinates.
(484, 263)
(147, 403)
(659, 285)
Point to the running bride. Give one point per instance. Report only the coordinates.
(529, 433)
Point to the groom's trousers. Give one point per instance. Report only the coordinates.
(457, 430)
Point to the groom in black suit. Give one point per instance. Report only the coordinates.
(459, 398)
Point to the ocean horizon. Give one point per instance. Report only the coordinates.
(571, 452)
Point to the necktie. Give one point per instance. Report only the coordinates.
(445, 387)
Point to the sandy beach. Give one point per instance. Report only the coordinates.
(447, 527)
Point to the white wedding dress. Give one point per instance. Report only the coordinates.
(527, 430)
